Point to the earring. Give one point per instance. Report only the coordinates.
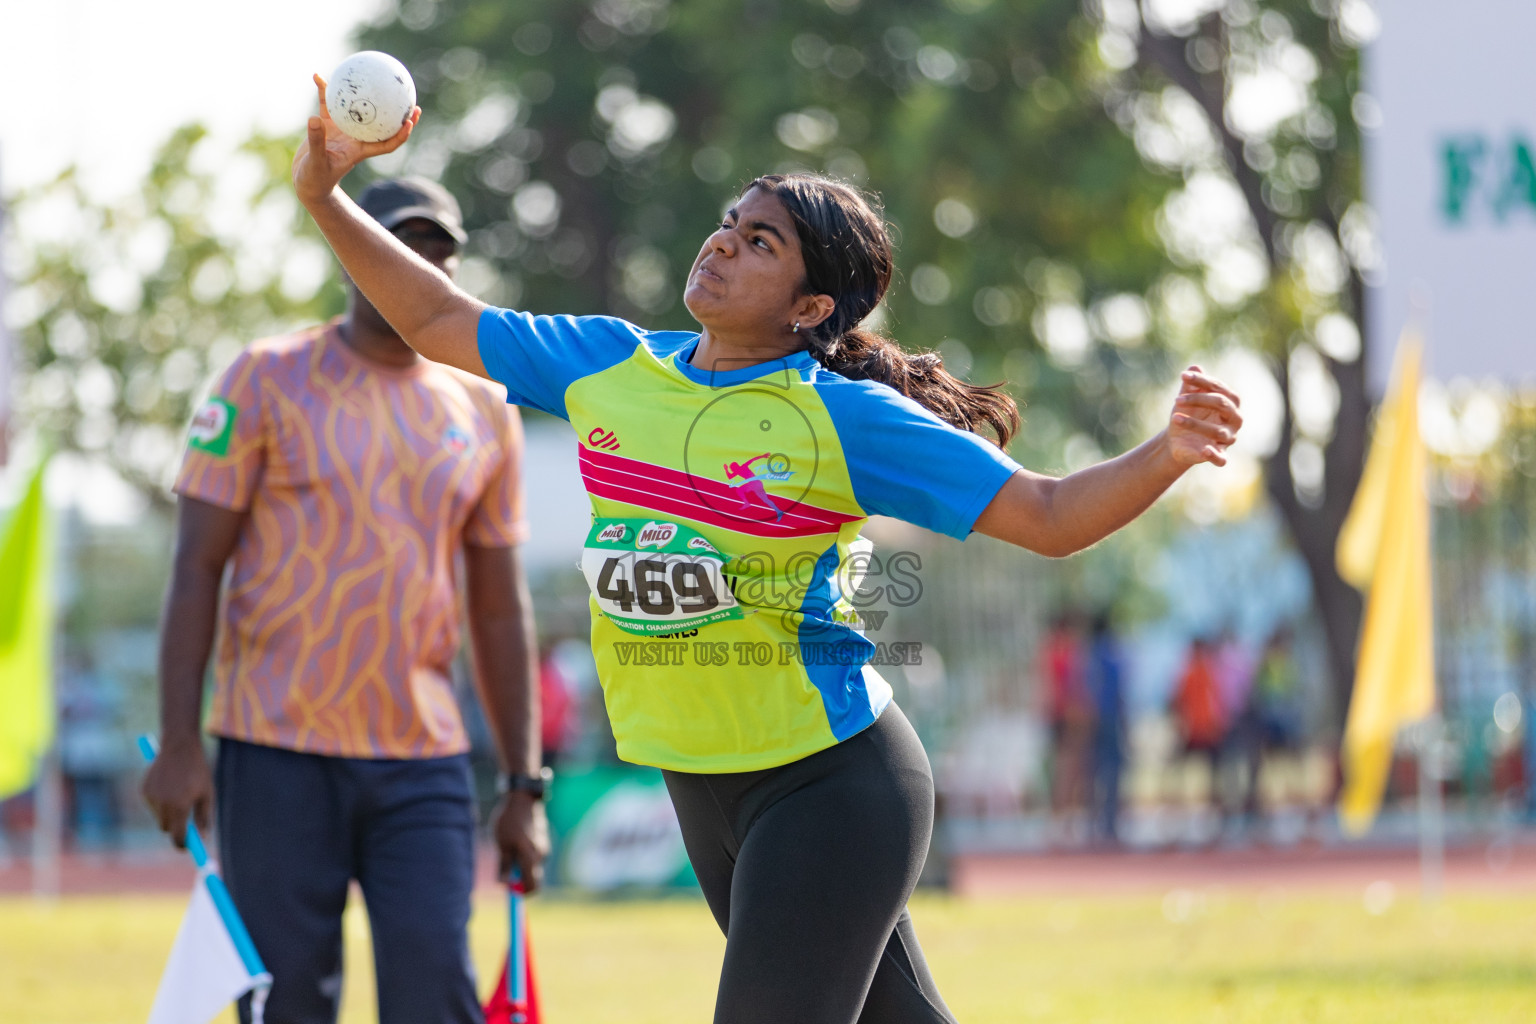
(795, 329)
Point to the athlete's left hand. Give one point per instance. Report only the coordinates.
(522, 837)
(1205, 420)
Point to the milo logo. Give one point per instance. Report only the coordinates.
(209, 422)
(656, 535)
(700, 544)
(617, 531)
(213, 425)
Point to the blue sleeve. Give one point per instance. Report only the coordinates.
(906, 463)
(539, 357)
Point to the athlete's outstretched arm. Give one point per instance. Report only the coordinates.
(1057, 517)
(435, 318)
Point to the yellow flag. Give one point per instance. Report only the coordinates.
(26, 639)
(1360, 537)
(1385, 541)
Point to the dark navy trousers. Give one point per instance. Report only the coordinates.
(296, 829)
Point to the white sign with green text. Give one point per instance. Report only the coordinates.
(1451, 175)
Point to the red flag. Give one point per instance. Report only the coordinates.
(499, 1009)
(503, 1008)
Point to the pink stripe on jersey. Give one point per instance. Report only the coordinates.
(674, 493)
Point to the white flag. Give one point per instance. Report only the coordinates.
(208, 968)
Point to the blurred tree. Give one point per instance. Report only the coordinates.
(596, 144)
(1081, 257)
(1275, 86)
(124, 309)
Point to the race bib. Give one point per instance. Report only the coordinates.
(651, 577)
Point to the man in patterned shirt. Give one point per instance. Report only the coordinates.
(340, 478)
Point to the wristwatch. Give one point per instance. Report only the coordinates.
(536, 786)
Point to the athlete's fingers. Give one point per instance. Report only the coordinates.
(320, 86)
(1215, 431)
(1196, 379)
(1214, 455)
(1221, 405)
(310, 153)
(395, 141)
(1213, 399)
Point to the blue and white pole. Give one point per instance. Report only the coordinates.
(208, 874)
(517, 952)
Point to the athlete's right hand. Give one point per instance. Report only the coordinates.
(328, 153)
(178, 783)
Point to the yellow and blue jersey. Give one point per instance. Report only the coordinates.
(725, 546)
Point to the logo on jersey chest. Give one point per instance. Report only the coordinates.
(456, 439)
(761, 446)
(604, 439)
(749, 481)
(656, 535)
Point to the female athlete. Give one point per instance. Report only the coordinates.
(728, 650)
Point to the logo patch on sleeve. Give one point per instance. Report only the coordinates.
(212, 426)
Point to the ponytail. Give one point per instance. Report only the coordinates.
(847, 253)
(861, 354)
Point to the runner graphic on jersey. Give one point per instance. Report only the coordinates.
(751, 483)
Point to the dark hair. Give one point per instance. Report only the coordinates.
(847, 252)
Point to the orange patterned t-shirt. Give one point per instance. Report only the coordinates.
(361, 481)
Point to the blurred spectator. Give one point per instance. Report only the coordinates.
(1106, 686)
(1243, 735)
(1197, 707)
(91, 754)
(1277, 691)
(557, 707)
(1069, 713)
(1235, 667)
(18, 816)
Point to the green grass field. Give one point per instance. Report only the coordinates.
(1184, 956)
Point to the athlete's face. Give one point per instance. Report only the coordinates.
(749, 278)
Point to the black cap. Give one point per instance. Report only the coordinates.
(393, 201)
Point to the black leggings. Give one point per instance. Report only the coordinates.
(807, 868)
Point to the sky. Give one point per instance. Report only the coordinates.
(100, 83)
(121, 75)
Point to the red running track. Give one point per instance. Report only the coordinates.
(1505, 866)
(1501, 865)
